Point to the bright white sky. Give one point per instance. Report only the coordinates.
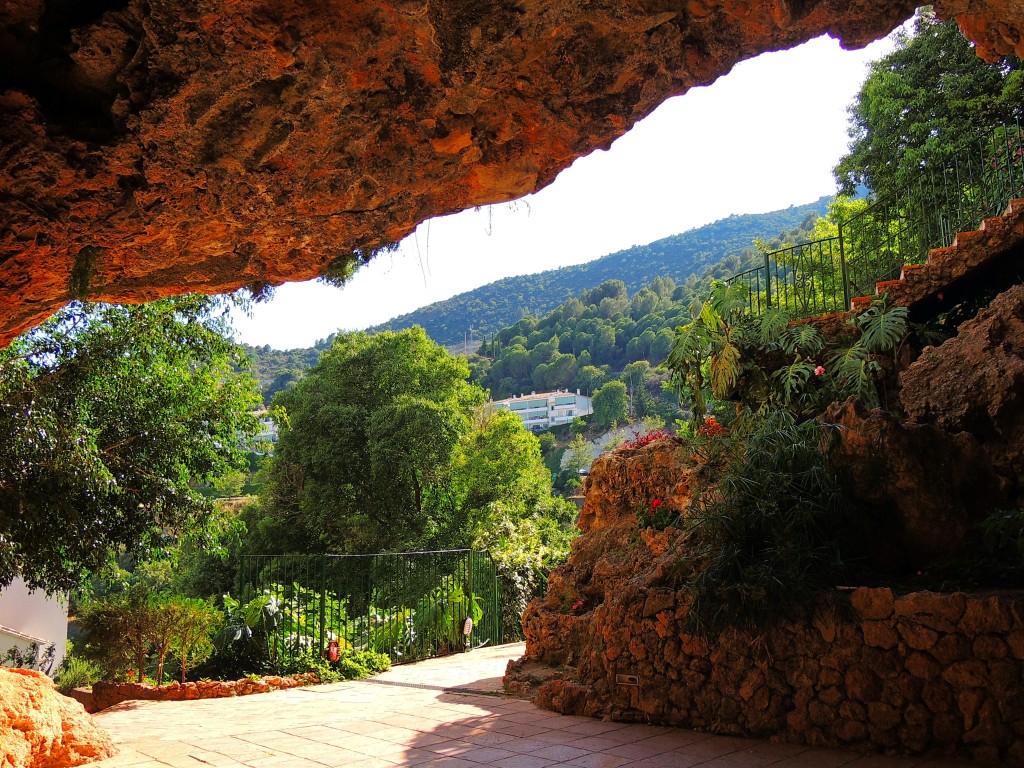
(763, 137)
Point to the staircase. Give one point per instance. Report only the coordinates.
(877, 249)
(952, 264)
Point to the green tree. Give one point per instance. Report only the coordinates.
(111, 416)
(635, 376)
(922, 101)
(116, 629)
(582, 456)
(590, 378)
(498, 463)
(611, 405)
(364, 452)
(197, 623)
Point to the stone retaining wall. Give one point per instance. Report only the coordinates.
(104, 695)
(913, 673)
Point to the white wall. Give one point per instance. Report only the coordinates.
(32, 616)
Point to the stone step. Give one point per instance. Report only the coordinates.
(911, 269)
(963, 237)
(885, 285)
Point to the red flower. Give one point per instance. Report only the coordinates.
(711, 428)
(656, 503)
(577, 605)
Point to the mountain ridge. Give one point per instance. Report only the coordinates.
(498, 304)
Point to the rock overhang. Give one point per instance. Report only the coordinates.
(151, 149)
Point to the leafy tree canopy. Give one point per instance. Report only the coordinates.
(611, 405)
(924, 100)
(385, 445)
(110, 414)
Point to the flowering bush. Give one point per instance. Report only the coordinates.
(638, 440)
(658, 515)
(711, 428)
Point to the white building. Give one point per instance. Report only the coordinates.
(547, 409)
(266, 438)
(28, 618)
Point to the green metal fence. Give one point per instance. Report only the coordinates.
(949, 195)
(409, 605)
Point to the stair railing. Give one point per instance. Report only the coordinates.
(948, 195)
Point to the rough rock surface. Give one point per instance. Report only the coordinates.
(621, 485)
(975, 382)
(931, 483)
(151, 148)
(39, 728)
(910, 673)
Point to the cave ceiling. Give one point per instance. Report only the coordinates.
(153, 147)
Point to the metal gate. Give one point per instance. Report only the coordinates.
(408, 605)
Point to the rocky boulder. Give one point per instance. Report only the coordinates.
(928, 485)
(974, 382)
(40, 728)
(156, 148)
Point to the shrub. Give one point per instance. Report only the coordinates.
(351, 665)
(124, 630)
(764, 542)
(75, 671)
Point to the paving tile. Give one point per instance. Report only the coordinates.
(489, 738)
(525, 761)
(595, 743)
(597, 760)
(637, 751)
(560, 752)
(818, 758)
(406, 717)
(531, 715)
(451, 748)
(269, 760)
(670, 760)
(450, 762)
(525, 746)
(486, 755)
(373, 762)
(556, 736)
(522, 729)
(594, 727)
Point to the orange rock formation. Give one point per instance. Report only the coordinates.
(148, 149)
(39, 728)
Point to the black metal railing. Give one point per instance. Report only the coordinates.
(408, 605)
(950, 194)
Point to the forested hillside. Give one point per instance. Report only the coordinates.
(627, 313)
(276, 369)
(608, 333)
(491, 307)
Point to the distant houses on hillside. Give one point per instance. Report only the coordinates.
(547, 409)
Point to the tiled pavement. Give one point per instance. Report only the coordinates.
(436, 713)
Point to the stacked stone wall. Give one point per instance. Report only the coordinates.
(915, 673)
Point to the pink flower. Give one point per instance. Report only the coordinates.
(577, 605)
(819, 371)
